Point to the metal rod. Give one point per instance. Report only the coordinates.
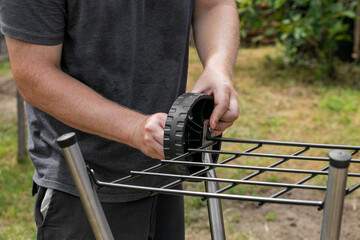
(211, 195)
(234, 181)
(288, 170)
(266, 155)
(215, 212)
(22, 151)
(294, 144)
(87, 193)
(353, 189)
(335, 194)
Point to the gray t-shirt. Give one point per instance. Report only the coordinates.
(133, 52)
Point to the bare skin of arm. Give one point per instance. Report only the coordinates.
(40, 81)
(216, 33)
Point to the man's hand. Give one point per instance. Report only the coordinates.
(149, 133)
(226, 109)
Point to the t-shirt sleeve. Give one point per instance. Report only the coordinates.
(34, 21)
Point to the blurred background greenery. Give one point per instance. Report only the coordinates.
(298, 79)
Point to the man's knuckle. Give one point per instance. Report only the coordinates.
(228, 85)
(147, 139)
(148, 127)
(234, 115)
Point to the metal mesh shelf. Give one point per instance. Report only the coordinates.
(253, 154)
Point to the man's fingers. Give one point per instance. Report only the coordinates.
(160, 124)
(221, 106)
(162, 118)
(154, 146)
(154, 135)
(158, 150)
(158, 135)
(232, 112)
(220, 127)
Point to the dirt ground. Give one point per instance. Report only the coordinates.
(246, 220)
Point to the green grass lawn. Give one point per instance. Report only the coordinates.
(5, 68)
(16, 202)
(277, 103)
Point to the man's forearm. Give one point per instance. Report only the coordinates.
(216, 33)
(78, 106)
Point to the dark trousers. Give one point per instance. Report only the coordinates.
(159, 217)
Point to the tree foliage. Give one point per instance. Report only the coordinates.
(310, 30)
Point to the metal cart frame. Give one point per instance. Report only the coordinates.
(339, 159)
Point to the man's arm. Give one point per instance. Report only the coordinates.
(216, 33)
(40, 81)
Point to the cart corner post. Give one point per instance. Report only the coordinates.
(335, 194)
(216, 219)
(85, 188)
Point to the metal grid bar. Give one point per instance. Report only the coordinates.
(209, 195)
(348, 191)
(266, 155)
(225, 180)
(293, 144)
(288, 170)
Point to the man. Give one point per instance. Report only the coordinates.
(110, 70)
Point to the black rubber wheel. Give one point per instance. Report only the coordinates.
(184, 130)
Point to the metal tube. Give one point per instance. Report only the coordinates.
(216, 219)
(226, 180)
(288, 170)
(261, 155)
(87, 193)
(353, 189)
(215, 209)
(335, 194)
(210, 195)
(293, 144)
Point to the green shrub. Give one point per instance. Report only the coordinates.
(309, 30)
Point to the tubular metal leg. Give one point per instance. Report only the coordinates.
(213, 204)
(335, 194)
(87, 193)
